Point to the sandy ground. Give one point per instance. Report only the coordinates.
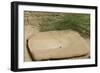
(29, 31)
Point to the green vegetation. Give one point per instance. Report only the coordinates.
(64, 21)
(49, 21)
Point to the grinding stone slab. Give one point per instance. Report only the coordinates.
(57, 45)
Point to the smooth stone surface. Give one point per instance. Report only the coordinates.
(57, 45)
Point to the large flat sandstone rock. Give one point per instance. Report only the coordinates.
(57, 45)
